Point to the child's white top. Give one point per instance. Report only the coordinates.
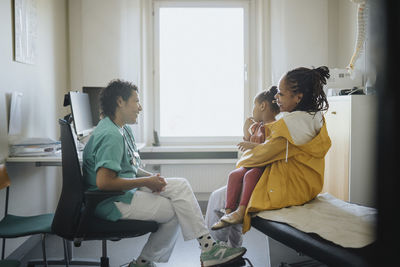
(303, 126)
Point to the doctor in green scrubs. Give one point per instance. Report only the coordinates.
(111, 162)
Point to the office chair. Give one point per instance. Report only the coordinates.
(13, 226)
(74, 218)
(9, 263)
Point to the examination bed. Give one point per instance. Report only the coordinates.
(355, 231)
(314, 246)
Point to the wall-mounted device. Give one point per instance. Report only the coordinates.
(341, 79)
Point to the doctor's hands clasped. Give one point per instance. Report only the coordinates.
(156, 183)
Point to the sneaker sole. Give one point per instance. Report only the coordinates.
(216, 263)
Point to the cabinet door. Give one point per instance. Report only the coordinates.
(336, 180)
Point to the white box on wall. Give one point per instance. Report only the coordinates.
(342, 79)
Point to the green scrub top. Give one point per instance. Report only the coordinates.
(113, 148)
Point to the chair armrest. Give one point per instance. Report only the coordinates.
(92, 199)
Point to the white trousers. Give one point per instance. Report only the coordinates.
(231, 234)
(175, 206)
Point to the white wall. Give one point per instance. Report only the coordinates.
(43, 86)
(347, 31)
(311, 33)
(104, 37)
(299, 34)
(342, 26)
(104, 43)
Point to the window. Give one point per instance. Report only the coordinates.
(200, 70)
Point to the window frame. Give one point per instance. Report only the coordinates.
(210, 140)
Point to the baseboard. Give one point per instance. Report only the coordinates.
(25, 248)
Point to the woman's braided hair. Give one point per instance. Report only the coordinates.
(310, 82)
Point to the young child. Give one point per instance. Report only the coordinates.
(242, 181)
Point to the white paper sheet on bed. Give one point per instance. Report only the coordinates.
(343, 223)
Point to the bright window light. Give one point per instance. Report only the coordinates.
(201, 71)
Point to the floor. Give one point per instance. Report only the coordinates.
(186, 254)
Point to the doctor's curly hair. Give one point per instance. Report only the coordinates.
(108, 96)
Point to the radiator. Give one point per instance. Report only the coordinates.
(204, 178)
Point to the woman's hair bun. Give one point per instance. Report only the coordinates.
(323, 71)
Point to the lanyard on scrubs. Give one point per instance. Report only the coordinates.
(133, 154)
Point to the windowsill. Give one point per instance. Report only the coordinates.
(194, 154)
(140, 146)
(187, 161)
(188, 148)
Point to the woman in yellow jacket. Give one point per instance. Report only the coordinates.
(295, 146)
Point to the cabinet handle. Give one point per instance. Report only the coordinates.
(333, 112)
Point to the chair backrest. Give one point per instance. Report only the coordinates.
(69, 206)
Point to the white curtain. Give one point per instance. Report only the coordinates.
(145, 81)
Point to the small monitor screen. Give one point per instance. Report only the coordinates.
(94, 100)
(81, 113)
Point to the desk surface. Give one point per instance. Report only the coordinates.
(33, 159)
(45, 160)
(37, 161)
(56, 160)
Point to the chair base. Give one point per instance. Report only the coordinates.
(104, 262)
(69, 260)
(63, 262)
(9, 263)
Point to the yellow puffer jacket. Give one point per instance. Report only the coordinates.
(294, 174)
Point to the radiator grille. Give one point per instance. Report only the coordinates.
(203, 178)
